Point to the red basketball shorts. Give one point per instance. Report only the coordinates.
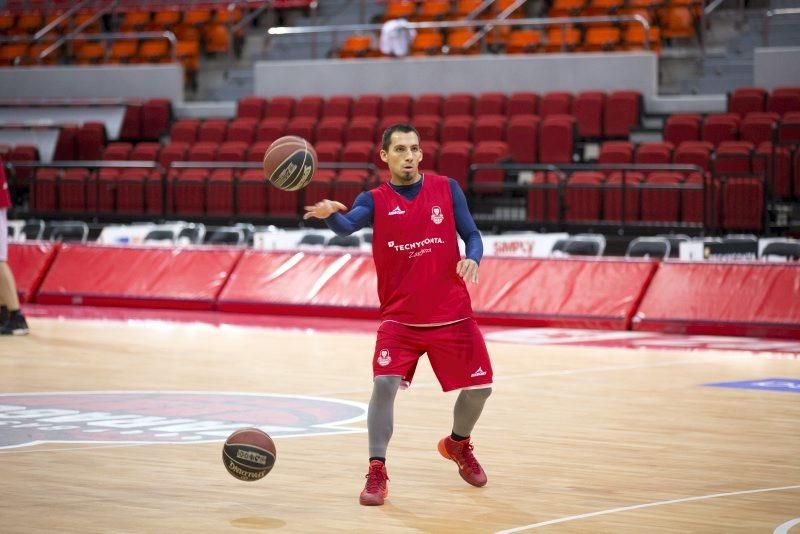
(456, 351)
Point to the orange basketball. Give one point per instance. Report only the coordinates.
(290, 163)
(249, 454)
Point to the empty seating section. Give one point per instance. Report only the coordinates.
(200, 27)
(669, 20)
(744, 155)
(759, 134)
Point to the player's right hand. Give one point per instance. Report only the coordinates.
(324, 209)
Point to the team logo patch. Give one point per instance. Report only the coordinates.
(436, 215)
(166, 417)
(383, 358)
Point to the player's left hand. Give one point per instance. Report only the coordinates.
(468, 270)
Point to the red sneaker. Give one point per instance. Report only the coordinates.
(461, 453)
(377, 487)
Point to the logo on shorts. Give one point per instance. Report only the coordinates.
(383, 358)
(436, 215)
(479, 372)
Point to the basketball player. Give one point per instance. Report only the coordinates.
(425, 306)
(12, 322)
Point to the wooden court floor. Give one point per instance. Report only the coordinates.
(573, 439)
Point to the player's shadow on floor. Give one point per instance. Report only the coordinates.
(258, 523)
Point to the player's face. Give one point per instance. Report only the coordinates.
(403, 157)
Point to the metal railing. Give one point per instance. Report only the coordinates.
(535, 22)
(775, 13)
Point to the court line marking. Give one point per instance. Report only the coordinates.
(646, 505)
(784, 528)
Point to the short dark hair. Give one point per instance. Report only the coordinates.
(399, 127)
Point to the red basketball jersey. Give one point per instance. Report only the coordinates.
(415, 248)
(5, 196)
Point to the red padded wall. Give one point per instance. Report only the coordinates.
(29, 263)
(752, 299)
(568, 292)
(96, 275)
(336, 284)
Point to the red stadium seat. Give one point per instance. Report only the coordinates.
(454, 160)
(251, 107)
(775, 162)
(309, 106)
(358, 152)
(232, 151)
(184, 131)
(745, 100)
(367, 106)
(156, 116)
(522, 103)
(582, 196)
(67, 144)
(542, 199)
(694, 153)
(242, 130)
(428, 127)
(456, 128)
(189, 191)
(654, 153)
(145, 151)
(252, 193)
(555, 103)
(396, 106)
(458, 104)
(213, 130)
(328, 151)
(623, 110)
(490, 104)
(720, 127)
(733, 157)
(680, 128)
(759, 127)
(743, 204)
(616, 152)
(279, 107)
(219, 193)
(43, 193)
(588, 109)
(613, 197)
(72, 190)
(427, 104)
(338, 106)
(117, 151)
(91, 140)
(131, 128)
(130, 185)
(557, 138)
(271, 129)
(304, 127)
(523, 138)
(789, 129)
(489, 128)
(661, 197)
(489, 152)
(361, 128)
(784, 100)
(331, 129)
(203, 151)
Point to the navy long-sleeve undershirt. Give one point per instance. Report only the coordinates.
(361, 215)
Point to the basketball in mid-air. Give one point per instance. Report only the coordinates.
(290, 163)
(249, 454)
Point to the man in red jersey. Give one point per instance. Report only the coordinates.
(425, 306)
(12, 322)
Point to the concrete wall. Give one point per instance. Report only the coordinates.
(775, 67)
(139, 81)
(473, 74)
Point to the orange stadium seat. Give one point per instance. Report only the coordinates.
(123, 51)
(90, 53)
(29, 23)
(216, 39)
(457, 40)
(197, 16)
(434, 10)
(466, 7)
(7, 20)
(356, 46)
(567, 8)
(523, 41)
(154, 51)
(603, 7)
(427, 43)
(166, 18)
(601, 38)
(559, 39)
(633, 38)
(678, 23)
(10, 52)
(396, 9)
(136, 20)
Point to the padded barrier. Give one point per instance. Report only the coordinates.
(751, 299)
(568, 292)
(180, 278)
(29, 262)
(327, 284)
